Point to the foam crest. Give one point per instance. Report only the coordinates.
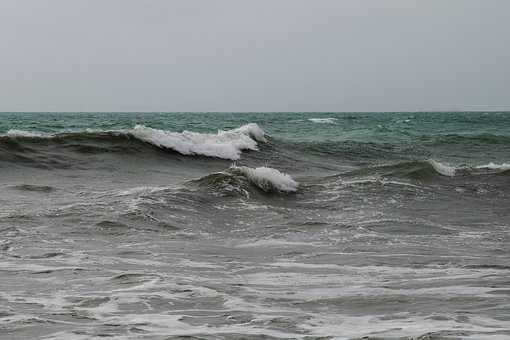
(323, 120)
(252, 130)
(268, 179)
(494, 166)
(450, 171)
(24, 134)
(225, 144)
(442, 169)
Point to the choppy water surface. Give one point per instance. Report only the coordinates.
(278, 226)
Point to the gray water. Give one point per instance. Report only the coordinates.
(401, 235)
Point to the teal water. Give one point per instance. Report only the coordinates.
(295, 126)
(455, 137)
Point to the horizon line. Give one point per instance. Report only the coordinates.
(411, 111)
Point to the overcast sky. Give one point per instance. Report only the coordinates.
(257, 55)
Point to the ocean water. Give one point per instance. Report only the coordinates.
(255, 225)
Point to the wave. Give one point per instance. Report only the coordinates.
(239, 180)
(72, 150)
(355, 150)
(227, 144)
(472, 139)
(25, 134)
(493, 166)
(442, 169)
(451, 171)
(268, 179)
(427, 169)
(323, 120)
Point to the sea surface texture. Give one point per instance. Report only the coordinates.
(255, 226)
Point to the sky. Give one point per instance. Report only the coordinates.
(254, 55)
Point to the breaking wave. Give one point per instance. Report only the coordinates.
(268, 179)
(428, 169)
(451, 171)
(442, 169)
(71, 150)
(240, 180)
(227, 144)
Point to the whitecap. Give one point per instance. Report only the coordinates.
(25, 134)
(225, 144)
(329, 120)
(442, 169)
(268, 178)
(451, 171)
(494, 166)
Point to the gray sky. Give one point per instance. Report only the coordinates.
(257, 55)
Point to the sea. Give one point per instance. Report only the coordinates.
(381, 225)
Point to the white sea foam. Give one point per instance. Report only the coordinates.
(382, 181)
(253, 130)
(142, 190)
(279, 243)
(323, 120)
(494, 166)
(268, 178)
(405, 326)
(225, 144)
(451, 171)
(443, 169)
(25, 134)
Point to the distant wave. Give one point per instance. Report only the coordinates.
(451, 171)
(25, 134)
(427, 169)
(482, 138)
(494, 166)
(323, 120)
(227, 144)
